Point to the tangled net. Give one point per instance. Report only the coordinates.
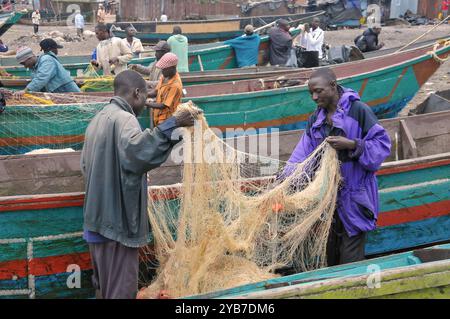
(231, 228)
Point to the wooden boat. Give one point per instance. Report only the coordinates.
(418, 274)
(201, 31)
(213, 56)
(250, 104)
(40, 234)
(7, 20)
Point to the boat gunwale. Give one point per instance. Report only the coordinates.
(379, 71)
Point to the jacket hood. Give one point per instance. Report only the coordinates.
(180, 38)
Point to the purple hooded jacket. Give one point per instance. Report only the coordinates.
(357, 204)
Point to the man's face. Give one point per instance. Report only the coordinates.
(131, 32)
(315, 23)
(140, 97)
(377, 30)
(322, 91)
(169, 72)
(159, 54)
(101, 35)
(29, 63)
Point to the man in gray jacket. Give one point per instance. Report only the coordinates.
(116, 156)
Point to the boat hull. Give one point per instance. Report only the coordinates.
(41, 239)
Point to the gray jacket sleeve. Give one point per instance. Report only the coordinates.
(141, 151)
(142, 69)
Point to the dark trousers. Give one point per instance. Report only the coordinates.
(343, 249)
(116, 270)
(36, 28)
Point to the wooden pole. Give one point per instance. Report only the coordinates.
(290, 22)
(417, 39)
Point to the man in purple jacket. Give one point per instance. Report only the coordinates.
(351, 128)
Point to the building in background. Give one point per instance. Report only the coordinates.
(151, 10)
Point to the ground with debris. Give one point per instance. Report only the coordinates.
(393, 36)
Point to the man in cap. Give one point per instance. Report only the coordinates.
(133, 43)
(246, 47)
(79, 24)
(280, 43)
(50, 45)
(368, 41)
(112, 53)
(116, 157)
(169, 90)
(154, 73)
(179, 46)
(47, 73)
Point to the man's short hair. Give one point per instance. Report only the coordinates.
(127, 81)
(177, 30)
(283, 22)
(324, 73)
(102, 27)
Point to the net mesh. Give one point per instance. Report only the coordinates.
(224, 227)
(46, 121)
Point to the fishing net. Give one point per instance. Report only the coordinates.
(230, 223)
(46, 121)
(94, 82)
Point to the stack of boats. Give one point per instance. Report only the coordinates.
(41, 196)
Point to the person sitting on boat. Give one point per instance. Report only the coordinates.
(179, 46)
(368, 41)
(112, 53)
(280, 43)
(349, 126)
(168, 92)
(154, 73)
(246, 47)
(133, 43)
(116, 156)
(47, 73)
(50, 45)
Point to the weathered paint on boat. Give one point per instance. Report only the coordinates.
(415, 274)
(215, 56)
(40, 235)
(243, 104)
(200, 31)
(7, 20)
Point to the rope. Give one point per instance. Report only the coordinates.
(433, 53)
(38, 99)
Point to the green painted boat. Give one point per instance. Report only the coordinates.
(417, 274)
(8, 19)
(41, 238)
(213, 56)
(201, 31)
(249, 105)
(190, 78)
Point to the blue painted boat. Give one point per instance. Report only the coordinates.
(414, 274)
(40, 234)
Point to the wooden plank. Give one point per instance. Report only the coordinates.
(408, 144)
(407, 279)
